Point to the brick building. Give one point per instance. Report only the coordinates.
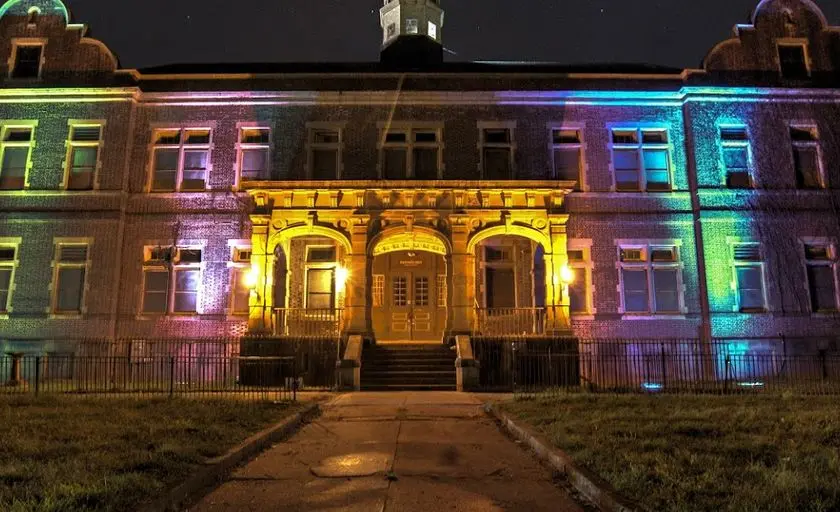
(416, 199)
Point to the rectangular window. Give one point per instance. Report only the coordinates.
(441, 290)
(71, 263)
(501, 287)
(822, 285)
(421, 291)
(83, 156)
(180, 160)
(579, 290)
(651, 279)
(735, 151)
(641, 159)
(240, 292)
(320, 288)
(400, 291)
(749, 276)
(411, 154)
(324, 153)
(806, 156)
(254, 153)
(16, 148)
(497, 153)
(27, 61)
(171, 280)
(567, 150)
(8, 263)
(793, 61)
(378, 291)
(412, 26)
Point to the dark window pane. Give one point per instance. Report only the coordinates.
(625, 137)
(626, 159)
(320, 254)
(155, 289)
(666, 292)
(792, 61)
(821, 287)
(806, 165)
(655, 137)
(733, 134)
(567, 164)
(255, 135)
(5, 285)
(750, 288)
(27, 62)
(71, 282)
(501, 288)
(497, 136)
(736, 158)
(497, 164)
(577, 294)
(324, 164)
(86, 133)
(254, 164)
(425, 137)
(241, 293)
(635, 291)
(426, 163)
(394, 163)
(325, 137)
(13, 172)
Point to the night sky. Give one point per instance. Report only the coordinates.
(674, 33)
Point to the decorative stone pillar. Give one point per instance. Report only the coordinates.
(262, 264)
(556, 291)
(357, 312)
(462, 282)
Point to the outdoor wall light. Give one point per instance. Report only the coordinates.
(251, 279)
(341, 275)
(567, 275)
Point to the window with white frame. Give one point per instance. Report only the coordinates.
(28, 58)
(8, 264)
(749, 276)
(254, 153)
(411, 154)
(412, 26)
(806, 156)
(325, 153)
(793, 60)
(17, 142)
(171, 279)
(651, 278)
(83, 156)
(432, 30)
(240, 293)
(567, 152)
(181, 159)
(820, 266)
(378, 290)
(496, 152)
(641, 159)
(320, 277)
(580, 290)
(71, 266)
(735, 153)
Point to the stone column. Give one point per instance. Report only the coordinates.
(357, 314)
(556, 292)
(462, 282)
(262, 263)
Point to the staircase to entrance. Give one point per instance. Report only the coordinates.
(408, 367)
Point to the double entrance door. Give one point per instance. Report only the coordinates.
(407, 303)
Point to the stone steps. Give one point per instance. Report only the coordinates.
(408, 367)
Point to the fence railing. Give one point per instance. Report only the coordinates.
(271, 378)
(678, 366)
(308, 323)
(520, 321)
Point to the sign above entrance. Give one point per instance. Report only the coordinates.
(416, 241)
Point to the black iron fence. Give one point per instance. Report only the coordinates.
(268, 378)
(656, 366)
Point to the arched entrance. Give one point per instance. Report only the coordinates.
(409, 287)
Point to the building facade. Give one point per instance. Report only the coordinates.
(416, 200)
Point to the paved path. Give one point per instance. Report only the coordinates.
(424, 452)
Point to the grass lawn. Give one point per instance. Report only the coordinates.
(744, 453)
(114, 453)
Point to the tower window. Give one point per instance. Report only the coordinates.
(392, 30)
(412, 26)
(432, 30)
(793, 62)
(27, 61)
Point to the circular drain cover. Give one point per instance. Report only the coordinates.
(353, 465)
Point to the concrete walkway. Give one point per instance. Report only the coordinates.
(394, 452)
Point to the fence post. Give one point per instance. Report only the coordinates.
(171, 376)
(726, 375)
(37, 375)
(295, 381)
(823, 364)
(662, 362)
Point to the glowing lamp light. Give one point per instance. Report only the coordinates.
(341, 275)
(567, 275)
(251, 279)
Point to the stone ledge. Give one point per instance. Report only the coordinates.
(587, 483)
(213, 472)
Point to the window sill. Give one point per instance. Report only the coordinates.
(582, 316)
(66, 316)
(752, 311)
(633, 316)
